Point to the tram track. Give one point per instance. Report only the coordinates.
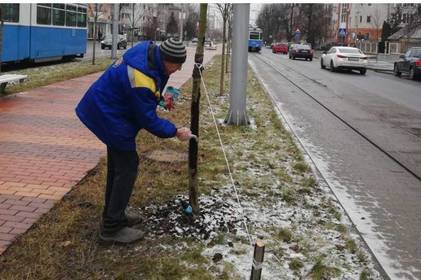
(330, 111)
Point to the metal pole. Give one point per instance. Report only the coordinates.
(237, 114)
(115, 32)
(133, 5)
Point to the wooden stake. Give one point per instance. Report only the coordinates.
(259, 251)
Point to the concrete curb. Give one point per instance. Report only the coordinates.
(382, 70)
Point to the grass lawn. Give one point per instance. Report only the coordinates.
(45, 75)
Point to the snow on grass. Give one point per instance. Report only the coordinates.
(306, 232)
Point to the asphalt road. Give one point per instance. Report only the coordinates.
(376, 115)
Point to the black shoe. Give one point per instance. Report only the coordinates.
(125, 235)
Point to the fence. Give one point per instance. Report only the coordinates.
(387, 48)
(368, 47)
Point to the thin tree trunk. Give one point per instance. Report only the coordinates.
(194, 126)
(310, 36)
(227, 57)
(95, 34)
(221, 82)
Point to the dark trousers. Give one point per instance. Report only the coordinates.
(121, 176)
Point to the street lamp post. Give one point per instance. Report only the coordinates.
(356, 30)
(182, 16)
(156, 31)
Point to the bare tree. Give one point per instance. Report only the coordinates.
(172, 26)
(273, 19)
(377, 23)
(227, 60)
(413, 19)
(225, 10)
(134, 19)
(192, 19)
(95, 32)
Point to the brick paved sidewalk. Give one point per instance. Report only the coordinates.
(45, 150)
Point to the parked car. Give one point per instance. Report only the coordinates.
(194, 41)
(344, 58)
(280, 47)
(409, 63)
(210, 45)
(301, 51)
(107, 42)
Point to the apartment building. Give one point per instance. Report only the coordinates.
(361, 21)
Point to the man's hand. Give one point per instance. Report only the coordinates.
(184, 133)
(169, 101)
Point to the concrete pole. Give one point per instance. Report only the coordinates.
(115, 32)
(237, 114)
(181, 23)
(133, 6)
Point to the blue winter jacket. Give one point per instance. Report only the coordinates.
(124, 99)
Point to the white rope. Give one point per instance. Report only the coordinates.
(199, 66)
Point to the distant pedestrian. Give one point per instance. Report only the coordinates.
(99, 36)
(120, 103)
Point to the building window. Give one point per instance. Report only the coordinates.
(10, 12)
(368, 19)
(369, 4)
(44, 14)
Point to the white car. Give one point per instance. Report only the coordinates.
(344, 58)
(210, 45)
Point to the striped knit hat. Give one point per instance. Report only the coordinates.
(173, 51)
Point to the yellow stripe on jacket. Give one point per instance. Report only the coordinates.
(140, 80)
